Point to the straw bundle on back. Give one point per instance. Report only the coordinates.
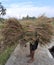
(12, 31)
(43, 31)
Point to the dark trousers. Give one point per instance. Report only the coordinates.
(34, 46)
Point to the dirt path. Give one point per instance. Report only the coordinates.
(18, 57)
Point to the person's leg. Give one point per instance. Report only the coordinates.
(32, 56)
(32, 52)
(33, 48)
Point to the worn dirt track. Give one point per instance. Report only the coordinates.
(18, 57)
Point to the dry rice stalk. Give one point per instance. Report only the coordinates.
(12, 31)
(45, 33)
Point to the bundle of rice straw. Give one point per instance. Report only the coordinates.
(44, 31)
(12, 31)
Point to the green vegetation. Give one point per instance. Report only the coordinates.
(2, 10)
(6, 54)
